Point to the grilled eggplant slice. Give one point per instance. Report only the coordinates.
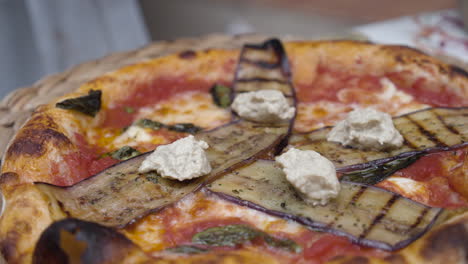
(425, 130)
(120, 195)
(367, 215)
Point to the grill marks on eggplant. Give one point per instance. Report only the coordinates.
(264, 67)
(428, 129)
(119, 195)
(367, 215)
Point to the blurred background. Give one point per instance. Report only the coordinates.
(40, 37)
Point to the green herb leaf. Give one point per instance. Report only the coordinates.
(124, 153)
(379, 173)
(187, 249)
(152, 177)
(129, 109)
(185, 127)
(232, 235)
(221, 95)
(89, 104)
(148, 123)
(285, 244)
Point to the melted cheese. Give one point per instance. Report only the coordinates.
(409, 188)
(190, 107)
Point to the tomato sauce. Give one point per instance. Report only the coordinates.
(433, 93)
(327, 246)
(317, 247)
(329, 82)
(149, 94)
(445, 175)
(80, 164)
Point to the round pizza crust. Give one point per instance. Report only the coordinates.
(50, 130)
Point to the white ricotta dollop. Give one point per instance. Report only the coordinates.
(366, 129)
(181, 160)
(266, 106)
(311, 174)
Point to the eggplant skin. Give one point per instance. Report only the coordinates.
(427, 130)
(366, 215)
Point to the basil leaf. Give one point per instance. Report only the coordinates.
(221, 95)
(148, 123)
(129, 109)
(379, 173)
(187, 249)
(233, 235)
(124, 153)
(89, 104)
(285, 244)
(185, 127)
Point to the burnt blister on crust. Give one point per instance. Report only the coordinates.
(76, 241)
(188, 54)
(447, 244)
(35, 135)
(455, 70)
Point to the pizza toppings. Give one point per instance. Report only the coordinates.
(366, 129)
(187, 249)
(181, 160)
(367, 215)
(221, 95)
(89, 104)
(148, 123)
(313, 176)
(233, 235)
(124, 153)
(426, 130)
(185, 127)
(266, 106)
(179, 127)
(120, 194)
(133, 134)
(379, 172)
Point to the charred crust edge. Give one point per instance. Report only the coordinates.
(33, 138)
(187, 54)
(103, 244)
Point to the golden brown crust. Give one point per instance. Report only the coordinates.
(49, 134)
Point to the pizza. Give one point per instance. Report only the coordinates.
(75, 191)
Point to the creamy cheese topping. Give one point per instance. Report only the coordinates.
(366, 129)
(311, 174)
(266, 106)
(390, 92)
(410, 188)
(181, 160)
